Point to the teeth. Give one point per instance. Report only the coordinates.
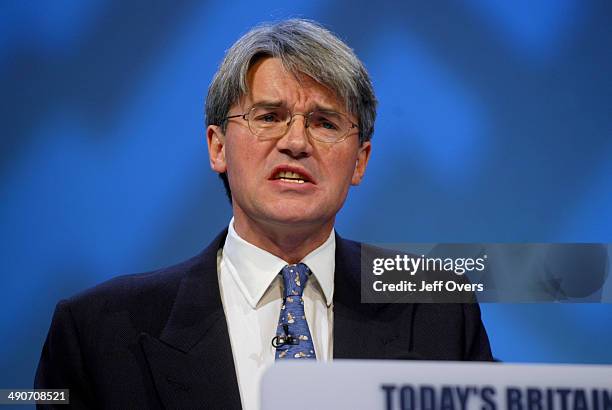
(289, 176)
(295, 181)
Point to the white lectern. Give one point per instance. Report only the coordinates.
(407, 385)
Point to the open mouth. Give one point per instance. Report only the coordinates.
(289, 176)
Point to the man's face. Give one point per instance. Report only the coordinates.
(253, 166)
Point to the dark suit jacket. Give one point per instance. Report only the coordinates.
(160, 340)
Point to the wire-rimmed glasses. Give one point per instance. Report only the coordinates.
(272, 122)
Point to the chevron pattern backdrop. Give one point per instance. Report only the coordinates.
(495, 125)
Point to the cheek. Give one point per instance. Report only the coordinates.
(246, 162)
(339, 170)
(238, 157)
(345, 163)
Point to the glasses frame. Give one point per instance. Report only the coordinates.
(306, 116)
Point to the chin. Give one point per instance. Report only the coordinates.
(295, 217)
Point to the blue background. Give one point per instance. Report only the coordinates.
(495, 125)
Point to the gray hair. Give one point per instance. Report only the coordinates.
(304, 47)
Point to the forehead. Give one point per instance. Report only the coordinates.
(269, 80)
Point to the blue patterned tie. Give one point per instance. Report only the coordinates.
(292, 331)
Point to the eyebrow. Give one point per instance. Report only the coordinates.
(268, 103)
(279, 103)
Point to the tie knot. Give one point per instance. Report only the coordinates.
(294, 279)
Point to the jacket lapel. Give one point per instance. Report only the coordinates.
(363, 330)
(191, 362)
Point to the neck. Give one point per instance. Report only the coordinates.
(290, 242)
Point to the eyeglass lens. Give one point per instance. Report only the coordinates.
(273, 122)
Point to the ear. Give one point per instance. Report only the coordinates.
(216, 148)
(363, 156)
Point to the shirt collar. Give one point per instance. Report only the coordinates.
(254, 269)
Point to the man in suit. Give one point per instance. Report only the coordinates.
(290, 116)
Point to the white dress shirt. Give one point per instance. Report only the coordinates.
(251, 293)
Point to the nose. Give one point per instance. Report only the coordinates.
(295, 142)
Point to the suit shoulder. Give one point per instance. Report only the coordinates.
(357, 247)
(351, 247)
(126, 291)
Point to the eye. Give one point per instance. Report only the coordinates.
(329, 125)
(326, 121)
(267, 117)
